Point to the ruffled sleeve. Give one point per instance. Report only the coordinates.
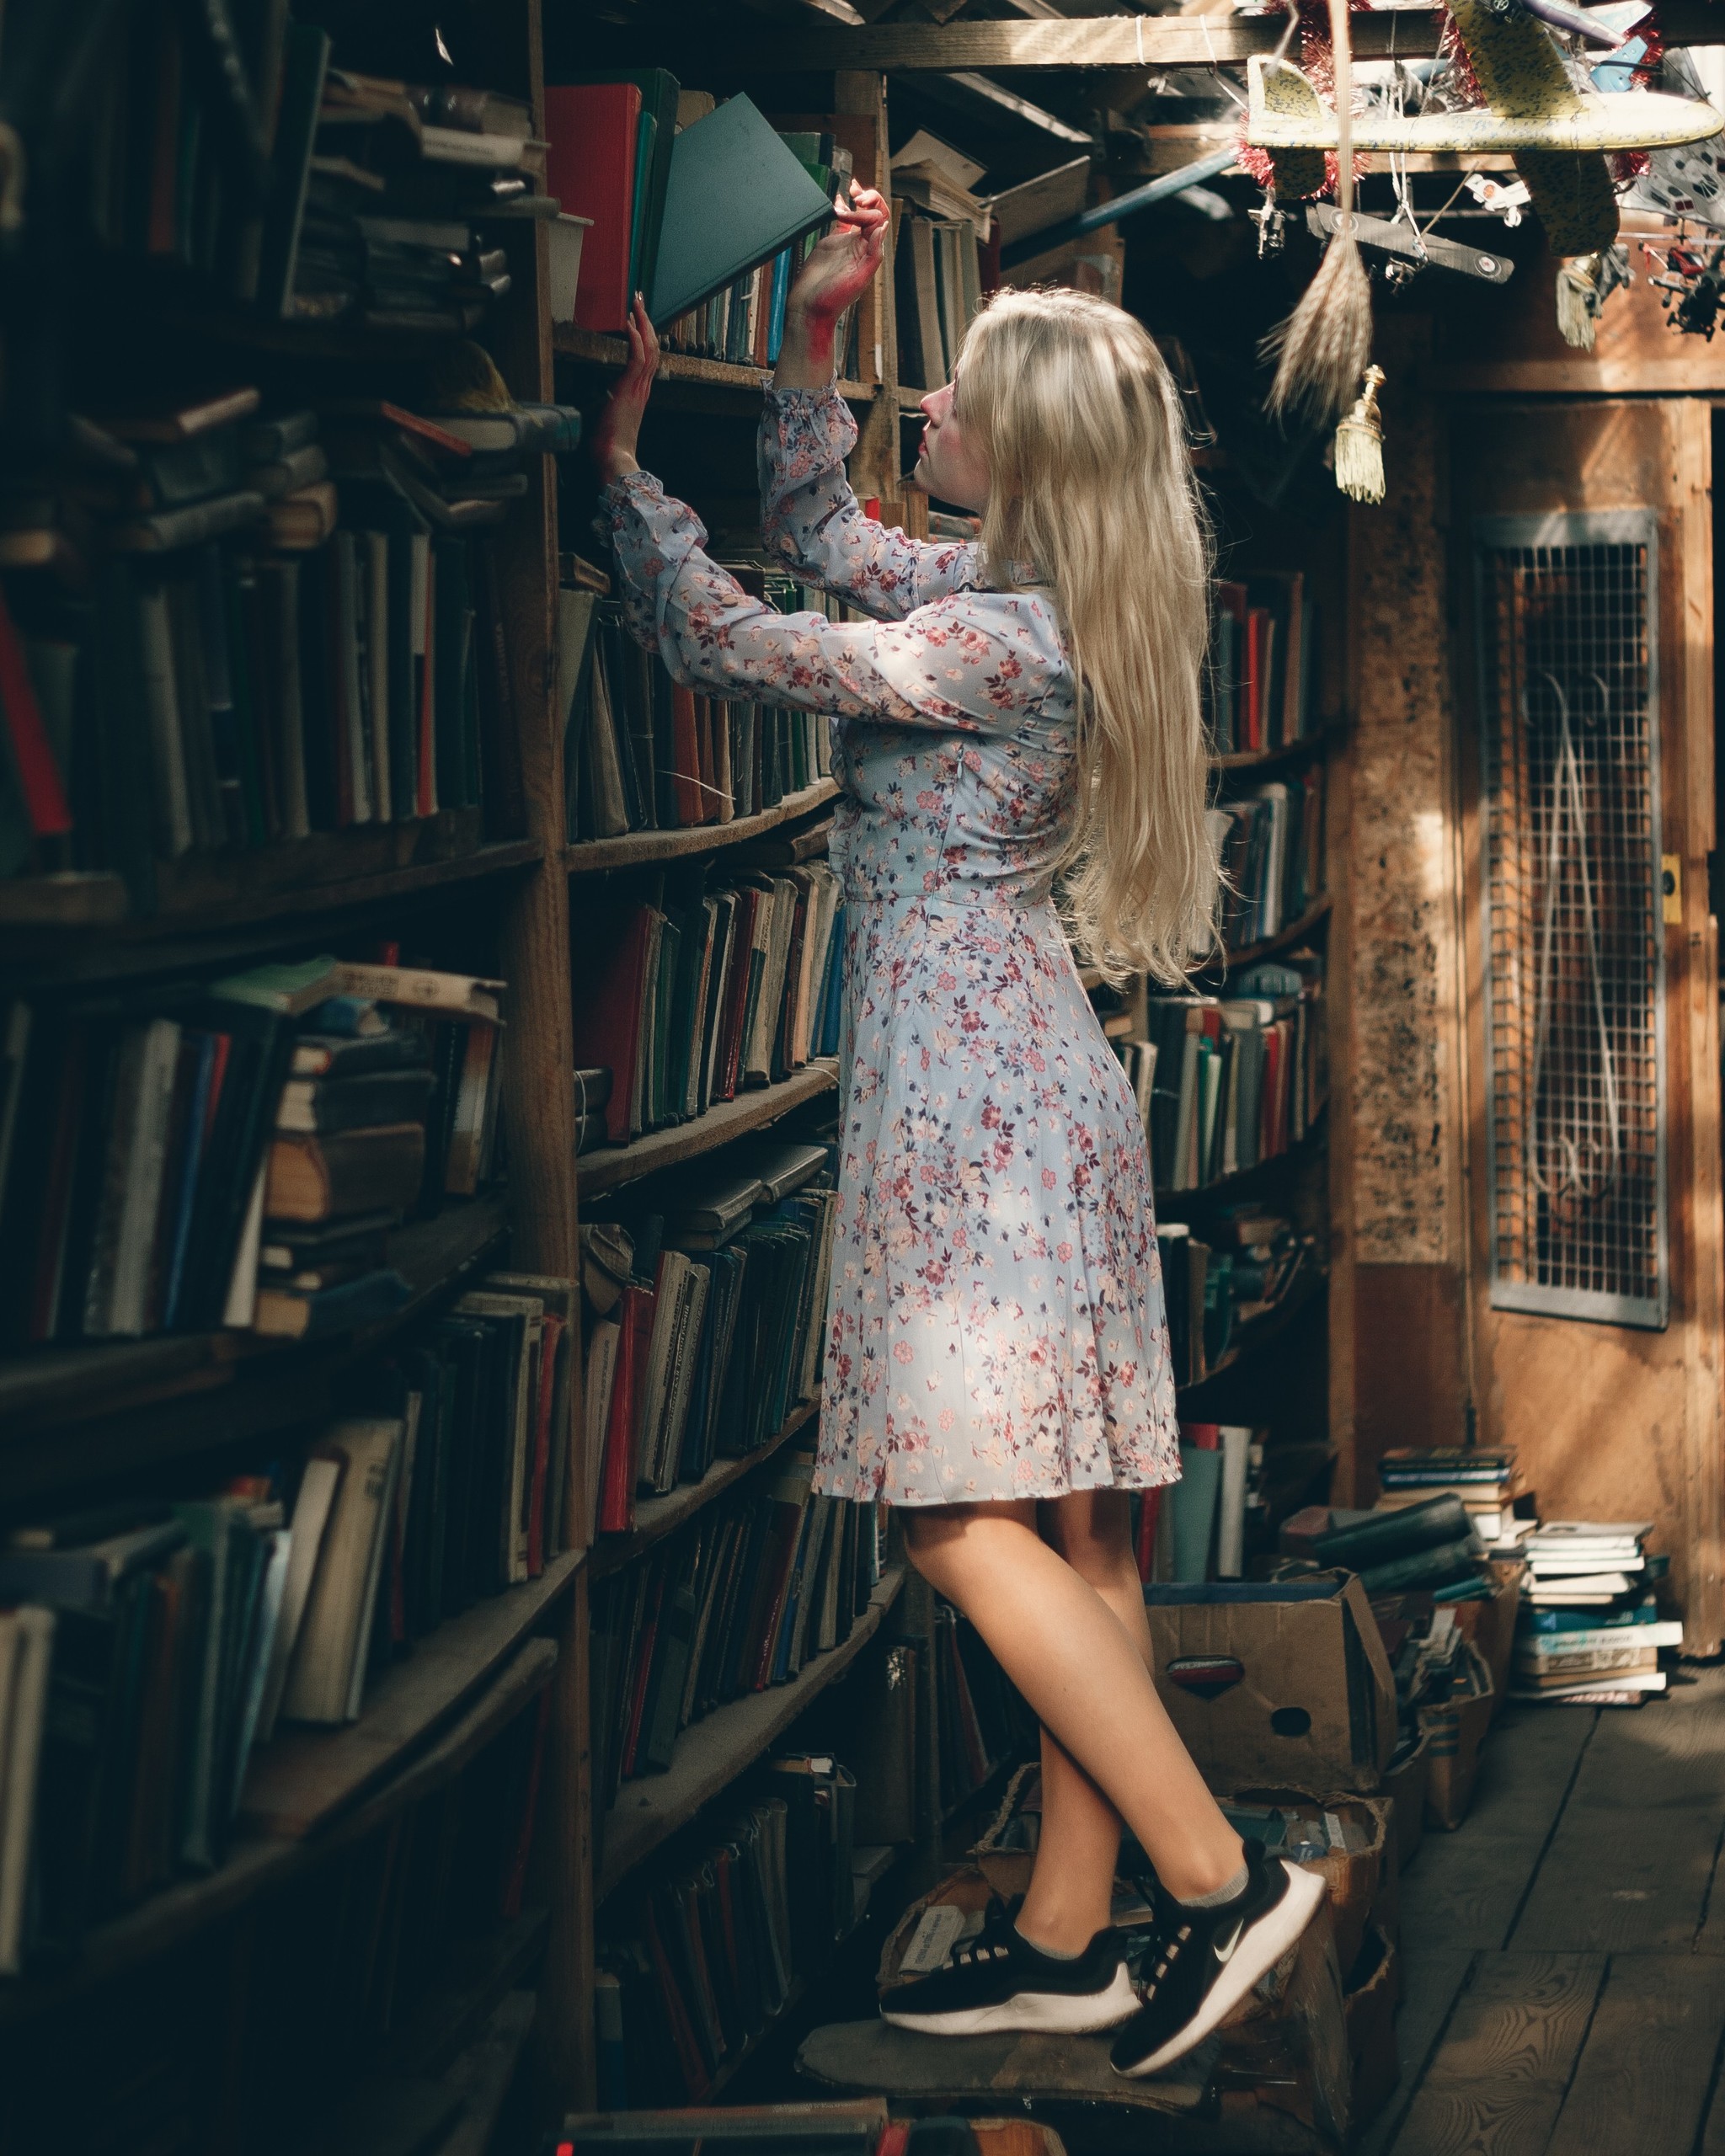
(811, 520)
(971, 662)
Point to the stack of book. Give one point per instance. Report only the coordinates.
(459, 471)
(1430, 1546)
(1595, 1657)
(1270, 844)
(642, 753)
(687, 1006)
(702, 1965)
(401, 186)
(380, 1115)
(981, 1722)
(745, 1599)
(717, 1333)
(1260, 686)
(1483, 1478)
(1223, 1083)
(938, 225)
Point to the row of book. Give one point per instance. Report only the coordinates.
(1225, 1083)
(146, 1649)
(1244, 1266)
(746, 1598)
(715, 1329)
(641, 157)
(1260, 686)
(642, 753)
(687, 1006)
(706, 1960)
(146, 1142)
(1197, 1528)
(1270, 845)
(981, 1719)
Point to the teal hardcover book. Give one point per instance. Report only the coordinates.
(736, 194)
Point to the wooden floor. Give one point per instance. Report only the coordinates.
(1564, 1949)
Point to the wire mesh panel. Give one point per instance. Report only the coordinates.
(1574, 961)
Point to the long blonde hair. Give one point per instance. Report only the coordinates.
(1091, 487)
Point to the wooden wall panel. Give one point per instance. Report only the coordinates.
(1614, 1422)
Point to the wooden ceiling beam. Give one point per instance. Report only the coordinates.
(1110, 41)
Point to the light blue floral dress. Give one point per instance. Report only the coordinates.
(997, 1327)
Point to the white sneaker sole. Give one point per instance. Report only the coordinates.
(1257, 1954)
(1066, 2013)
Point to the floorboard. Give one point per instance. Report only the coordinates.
(1622, 1881)
(1434, 1975)
(1646, 2072)
(1463, 1890)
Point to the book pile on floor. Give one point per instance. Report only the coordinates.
(401, 181)
(1483, 1479)
(1260, 686)
(709, 1326)
(750, 1593)
(1225, 1082)
(702, 1964)
(642, 753)
(1270, 844)
(1588, 1633)
(688, 1005)
(1432, 1546)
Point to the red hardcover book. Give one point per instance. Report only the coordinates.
(609, 969)
(705, 755)
(542, 1443)
(590, 168)
(686, 756)
(781, 1556)
(1259, 623)
(38, 774)
(1204, 1436)
(1272, 1086)
(641, 1671)
(696, 2084)
(616, 1485)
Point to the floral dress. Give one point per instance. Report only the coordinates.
(996, 1328)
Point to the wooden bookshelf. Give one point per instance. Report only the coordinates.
(1261, 1332)
(710, 1754)
(609, 1167)
(259, 1862)
(1314, 744)
(642, 849)
(1284, 939)
(657, 1517)
(594, 348)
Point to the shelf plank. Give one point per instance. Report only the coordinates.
(324, 874)
(657, 1517)
(639, 849)
(1243, 1178)
(305, 1778)
(597, 349)
(79, 1384)
(258, 1863)
(1263, 759)
(610, 1167)
(712, 1754)
(1249, 954)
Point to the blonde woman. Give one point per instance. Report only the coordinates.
(997, 1360)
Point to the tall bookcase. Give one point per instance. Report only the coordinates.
(78, 1424)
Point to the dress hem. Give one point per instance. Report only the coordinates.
(855, 1495)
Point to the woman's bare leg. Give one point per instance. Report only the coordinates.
(1085, 1678)
(1072, 1885)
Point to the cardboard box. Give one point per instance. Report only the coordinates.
(1490, 1624)
(1405, 1785)
(1353, 1878)
(1457, 1730)
(1370, 2009)
(1277, 1683)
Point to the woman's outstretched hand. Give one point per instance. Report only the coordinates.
(619, 429)
(835, 276)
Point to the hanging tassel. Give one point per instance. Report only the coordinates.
(1360, 444)
(1578, 301)
(1323, 347)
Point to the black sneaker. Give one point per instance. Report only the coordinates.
(1001, 1981)
(1207, 1959)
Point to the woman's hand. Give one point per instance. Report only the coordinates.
(836, 275)
(619, 428)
